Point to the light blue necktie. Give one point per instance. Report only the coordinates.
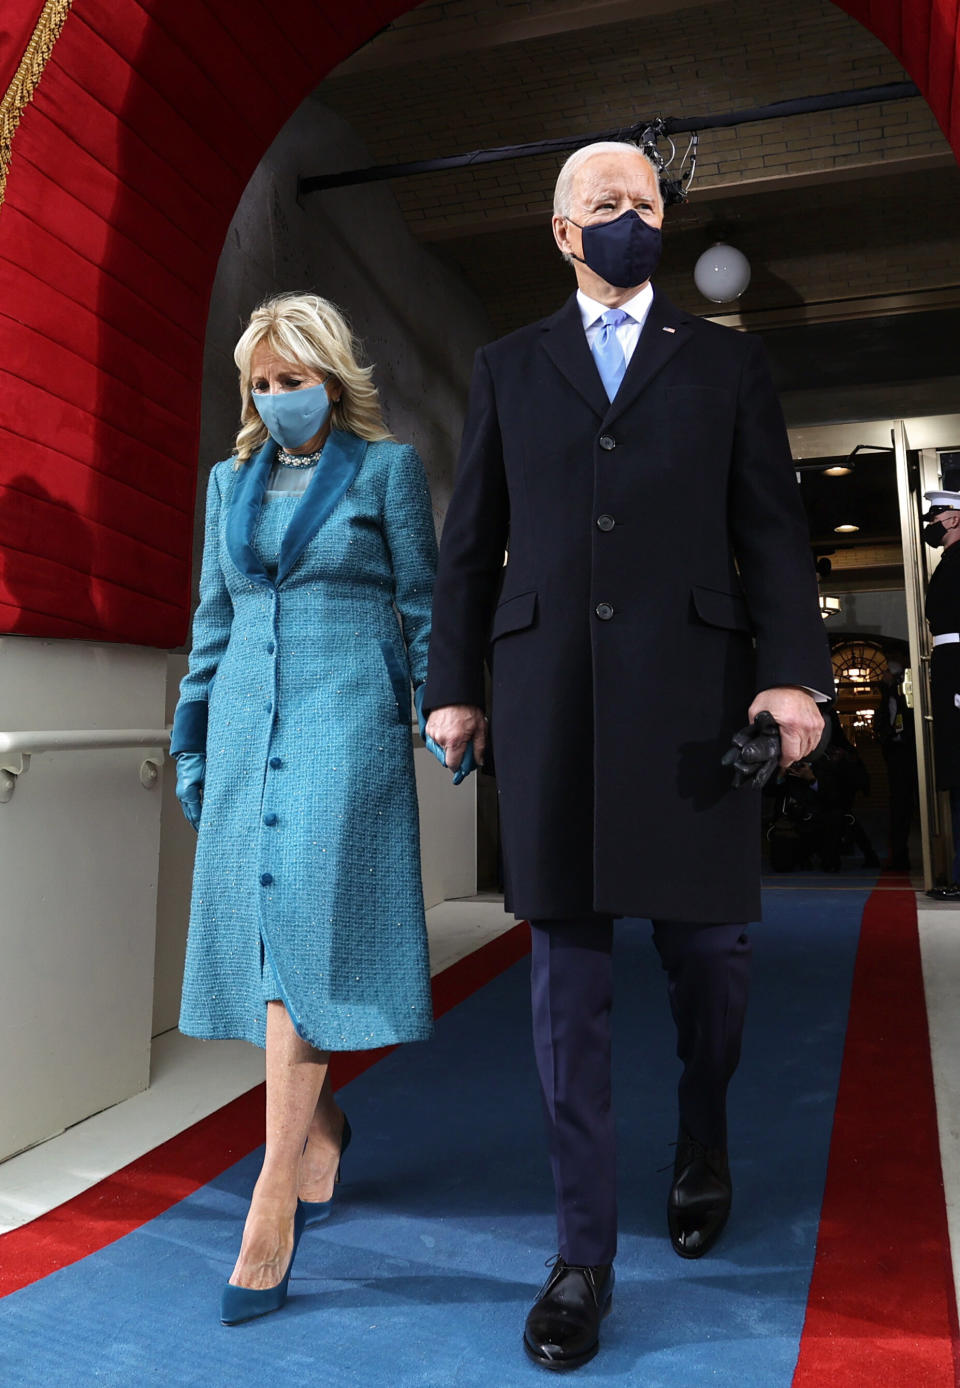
(607, 352)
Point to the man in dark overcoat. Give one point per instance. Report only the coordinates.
(659, 592)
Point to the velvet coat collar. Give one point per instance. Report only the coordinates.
(333, 475)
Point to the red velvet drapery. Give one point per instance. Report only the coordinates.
(147, 122)
(923, 35)
(148, 119)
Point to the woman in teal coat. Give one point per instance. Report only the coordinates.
(295, 759)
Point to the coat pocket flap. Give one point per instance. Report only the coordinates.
(399, 680)
(719, 609)
(514, 614)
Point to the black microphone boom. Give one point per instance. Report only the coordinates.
(641, 132)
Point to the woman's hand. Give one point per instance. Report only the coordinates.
(454, 727)
(191, 772)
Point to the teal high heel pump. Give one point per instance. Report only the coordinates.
(239, 1304)
(317, 1209)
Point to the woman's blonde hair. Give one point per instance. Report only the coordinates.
(306, 330)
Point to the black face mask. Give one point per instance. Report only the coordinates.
(624, 252)
(934, 534)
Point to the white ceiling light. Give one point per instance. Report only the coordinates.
(722, 273)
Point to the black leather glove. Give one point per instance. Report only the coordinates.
(755, 753)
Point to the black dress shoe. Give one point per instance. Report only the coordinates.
(700, 1197)
(563, 1324)
(948, 893)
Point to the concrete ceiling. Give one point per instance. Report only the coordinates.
(847, 215)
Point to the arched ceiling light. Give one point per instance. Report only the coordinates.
(841, 470)
(722, 273)
(847, 529)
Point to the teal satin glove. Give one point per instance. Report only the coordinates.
(191, 770)
(469, 762)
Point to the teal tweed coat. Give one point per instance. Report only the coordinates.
(307, 877)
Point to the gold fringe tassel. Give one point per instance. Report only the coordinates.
(25, 80)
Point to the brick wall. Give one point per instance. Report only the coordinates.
(856, 238)
(707, 59)
(852, 238)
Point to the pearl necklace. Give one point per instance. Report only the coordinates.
(297, 459)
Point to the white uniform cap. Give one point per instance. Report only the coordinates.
(941, 499)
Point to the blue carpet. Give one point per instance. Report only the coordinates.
(424, 1271)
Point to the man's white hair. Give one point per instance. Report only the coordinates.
(563, 193)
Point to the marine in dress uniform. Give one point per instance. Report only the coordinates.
(942, 530)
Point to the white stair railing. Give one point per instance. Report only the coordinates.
(16, 749)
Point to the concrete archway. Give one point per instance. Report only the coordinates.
(127, 137)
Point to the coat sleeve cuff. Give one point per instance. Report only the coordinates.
(440, 694)
(189, 727)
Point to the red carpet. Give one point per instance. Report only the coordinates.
(882, 1312)
(151, 1184)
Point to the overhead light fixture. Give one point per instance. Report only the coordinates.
(722, 273)
(846, 529)
(841, 469)
(844, 468)
(829, 606)
(853, 672)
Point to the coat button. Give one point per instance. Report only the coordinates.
(270, 819)
(276, 763)
(271, 648)
(604, 611)
(266, 880)
(605, 522)
(268, 708)
(606, 442)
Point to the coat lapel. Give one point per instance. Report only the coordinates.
(566, 344)
(664, 333)
(244, 509)
(338, 466)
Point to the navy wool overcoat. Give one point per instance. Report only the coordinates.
(659, 576)
(307, 877)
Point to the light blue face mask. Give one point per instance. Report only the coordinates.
(295, 416)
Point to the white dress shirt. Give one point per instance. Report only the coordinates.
(628, 333)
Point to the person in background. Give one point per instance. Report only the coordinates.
(895, 733)
(295, 758)
(840, 776)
